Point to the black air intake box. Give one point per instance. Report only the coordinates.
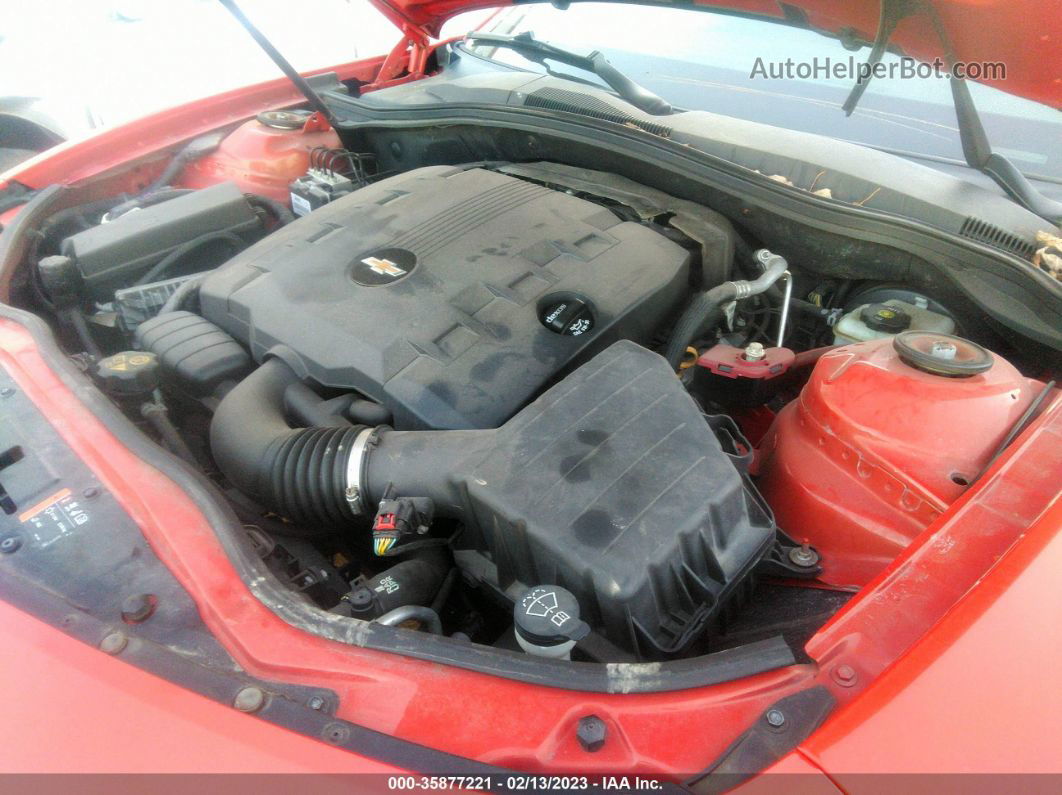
(612, 485)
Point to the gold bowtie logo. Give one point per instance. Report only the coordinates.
(384, 267)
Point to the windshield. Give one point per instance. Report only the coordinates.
(751, 69)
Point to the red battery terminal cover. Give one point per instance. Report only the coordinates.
(754, 361)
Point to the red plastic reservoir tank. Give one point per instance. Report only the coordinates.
(264, 155)
(875, 448)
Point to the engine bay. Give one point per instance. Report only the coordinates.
(529, 405)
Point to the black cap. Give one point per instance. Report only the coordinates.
(882, 317)
(129, 373)
(61, 280)
(548, 615)
(570, 317)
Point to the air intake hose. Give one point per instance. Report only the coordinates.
(705, 310)
(319, 476)
(299, 472)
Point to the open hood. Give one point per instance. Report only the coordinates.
(1026, 35)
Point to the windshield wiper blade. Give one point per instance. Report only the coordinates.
(595, 63)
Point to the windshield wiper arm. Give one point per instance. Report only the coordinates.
(978, 154)
(976, 149)
(595, 63)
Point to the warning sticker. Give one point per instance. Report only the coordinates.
(54, 517)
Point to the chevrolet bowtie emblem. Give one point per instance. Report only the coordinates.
(384, 267)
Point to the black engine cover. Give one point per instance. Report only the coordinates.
(450, 295)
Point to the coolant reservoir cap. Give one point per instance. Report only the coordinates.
(548, 615)
(129, 373)
(882, 317)
(941, 354)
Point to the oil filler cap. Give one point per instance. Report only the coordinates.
(569, 317)
(941, 354)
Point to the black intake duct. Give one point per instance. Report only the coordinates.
(299, 472)
(611, 485)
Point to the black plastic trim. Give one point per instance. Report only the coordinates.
(777, 731)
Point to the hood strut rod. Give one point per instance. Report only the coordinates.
(300, 82)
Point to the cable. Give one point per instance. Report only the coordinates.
(171, 259)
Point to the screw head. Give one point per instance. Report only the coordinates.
(845, 675)
(114, 643)
(90, 493)
(591, 733)
(7, 392)
(942, 349)
(335, 733)
(138, 608)
(249, 699)
(803, 556)
(316, 703)
(755, 352)
(11, 544)
(775, 718)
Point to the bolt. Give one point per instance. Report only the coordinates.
(942, 349)
(114, 643)
(316, 703)
(591, 733)
(335, 733)
(10, 544)
(803, 556)
(775, 718)
(845, 675)
(90, 493)
(755, 352)
(7, 392)
(249, 699)
(138, 608)
(360, 598)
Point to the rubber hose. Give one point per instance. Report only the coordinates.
(184, 292)
(701, 314)
(705, 309)
(159, 269)
(299, 472)
(418, 580)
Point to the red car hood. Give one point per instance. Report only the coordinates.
(1025, 35)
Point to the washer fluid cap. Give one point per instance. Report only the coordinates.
(941, 354)
(548, 615)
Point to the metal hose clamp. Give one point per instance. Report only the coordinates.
(356, 461)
